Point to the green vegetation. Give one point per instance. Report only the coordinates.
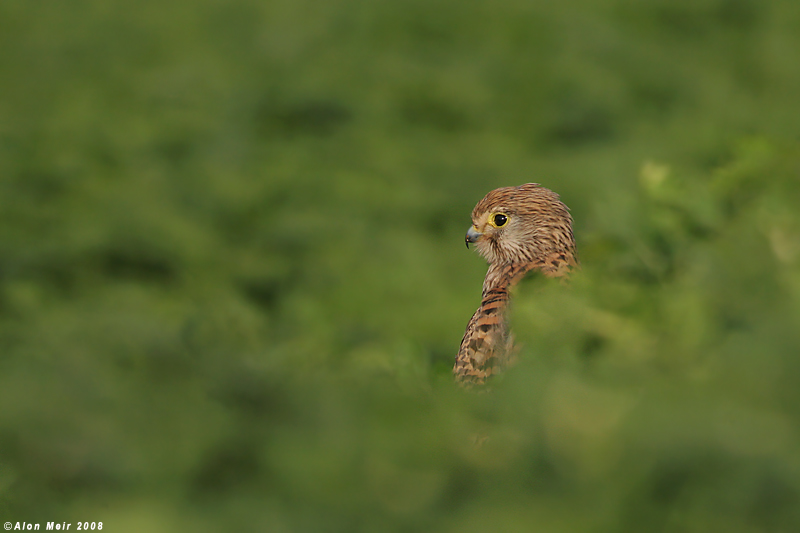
(233, 277)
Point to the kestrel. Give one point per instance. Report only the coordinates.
(516, 229)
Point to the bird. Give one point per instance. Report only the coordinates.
(517, 230)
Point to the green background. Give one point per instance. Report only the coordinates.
(233, 277)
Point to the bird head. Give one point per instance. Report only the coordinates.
(520, 225)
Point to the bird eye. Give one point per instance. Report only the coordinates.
(499, 220)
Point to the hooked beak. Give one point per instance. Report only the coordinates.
(472, 235)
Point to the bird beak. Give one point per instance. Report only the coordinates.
(472, 235)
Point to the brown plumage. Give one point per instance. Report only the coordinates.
(516, 229)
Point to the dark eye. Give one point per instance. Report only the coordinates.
(500, 220)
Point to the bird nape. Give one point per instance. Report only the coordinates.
(516, 229)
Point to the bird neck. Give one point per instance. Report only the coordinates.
(502, 277)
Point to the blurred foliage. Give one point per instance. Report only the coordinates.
(232, 274)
